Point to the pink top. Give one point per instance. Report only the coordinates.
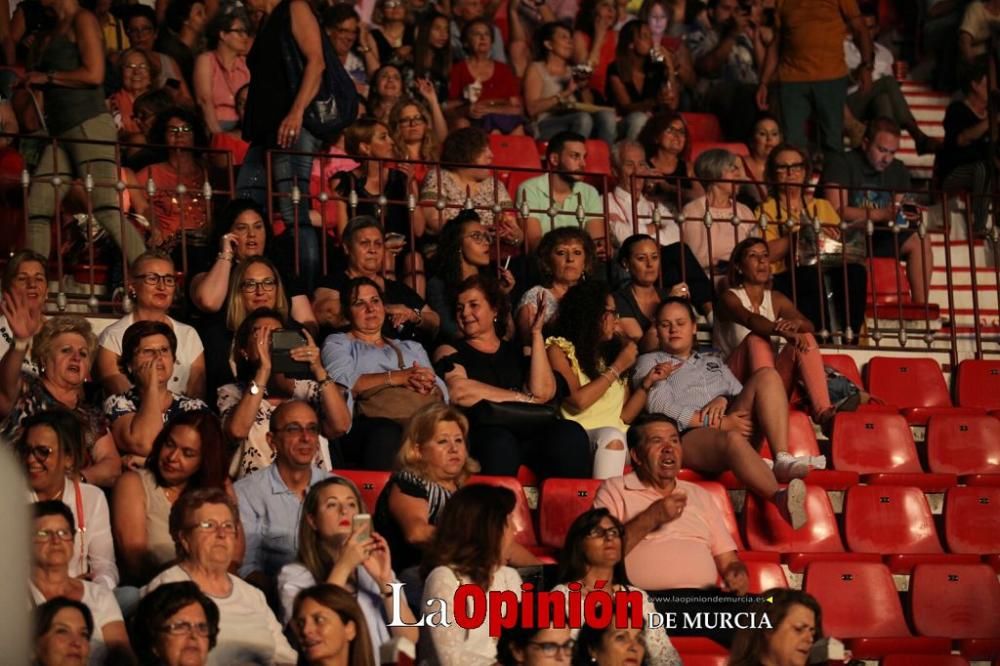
(724, 235)
(689, 544)
(225, 83)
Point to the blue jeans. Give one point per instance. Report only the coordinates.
(288, 169)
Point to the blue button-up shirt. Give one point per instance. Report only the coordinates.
(701, 378)
(270, 515)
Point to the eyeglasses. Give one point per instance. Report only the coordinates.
(250, 286)
(228, 527)
(613, 312)
(183, 627)
(479, 237)
(676, 131)
(39, 453)
(296, 429)
(412, 121)
(180, 129)
(138, 67)
(61, 534)
(604, 533)
(153, 279)
(550, 649)
(789, 168)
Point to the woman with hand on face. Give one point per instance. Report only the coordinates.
(594, 42)
(152, 290)
(149, 352)
(796, 619)
(53, 534)
(175, 625)
(63, 629)
(330, 627)
(189, 453)
(24, 276)
(332, 551)
(246, 406)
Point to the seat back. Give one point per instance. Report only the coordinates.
(845, 365)
(977, 384)
(888, 284)
(972, 520)
(562, 501)
(859, 599)
(721, 499)
(369, 483)
(765, 576)
(524, 527)
(963, 444)
(801, 437)
(873, 442)
(924, 660)
(907, 382)
(515, 151)
(955, 601)
(767, 530)
(889, 520)
(598, 162)
(697, 148)
(702, 127)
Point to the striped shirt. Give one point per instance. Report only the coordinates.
(700, 379)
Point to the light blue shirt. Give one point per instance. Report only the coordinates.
(270, 515)
(700, 379)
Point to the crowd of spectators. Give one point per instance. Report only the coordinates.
(378, 299)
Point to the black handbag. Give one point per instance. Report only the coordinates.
(524, 419)
(336, 103)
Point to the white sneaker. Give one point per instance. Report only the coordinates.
(789, 467)
(792, 503)
(816, 462)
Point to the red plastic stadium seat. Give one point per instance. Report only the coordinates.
(515, 151)
(972, 520)
(924, 660)
(369, 483)
(705, 659)
(914, 385)
(802, 442)
(721, 499)
(891, 284)
(861, 606)
(523, 525)
(894, 521)
(881, 447)
(764, 576)
(697, 148)
(598, 162)
(702, 127)
(561, 502)
(977, 384)
(960, 601)
(963, 444)
(845, 365)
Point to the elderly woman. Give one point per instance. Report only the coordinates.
(175, 625)
(205, 526)
(64, 348)
(796, 621)
(664, 138)
(141, 28)
(483, 369)
(331, 551)
(188, 454)
(51, 449)
(63, 629)
(24, 276)
(53, 534)
(138, 71)
(565, 257)
(363, 361)
(731, 221)
(152, 290)
(593, 551)
(611, 646)
(330, 624)
(246, 406)
(149, 352)
(222, 70)
(765, 136)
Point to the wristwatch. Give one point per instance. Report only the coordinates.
(254, 388)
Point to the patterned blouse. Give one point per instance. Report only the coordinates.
(454, 193)
(129, 402)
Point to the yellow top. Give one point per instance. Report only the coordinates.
(607, 411)
(817, 208)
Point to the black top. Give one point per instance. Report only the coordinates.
(397, 217)
(651, 84)
(170, 43)
(628, 307)
(396, 293)
(507, 368)
(386, 52)
(270, 95)
(404, 554)
(958, 118)
(664, 191)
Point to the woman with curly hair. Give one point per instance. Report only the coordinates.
(587, 352)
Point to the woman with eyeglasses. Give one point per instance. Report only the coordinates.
(393, 32)
(247, 404)
(141, 28)
(593, 551)
(52, 536)
(352, 43)
(63, 629)
(137, 415)
(152, 290)
(188, 454)
(222, 70)
(664, 138)
(205, 525)
(535, 646)
(175, 625)
(25, 276)
(138, 73)
(417, 131)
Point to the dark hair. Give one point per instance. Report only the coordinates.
(490, 288)
(654, 128)
(223, 21)
(572, 561)
(626, 37)
(972, 73)
(467, 28)
(586, 16)
(360, 131)
(351, 289)
(139, 11)
(335, 14)
(464, 145)
(356, 224)
(761, 117)
(449, 244)
(159, 606)
(188, 503)
(634, 437)
(561, 236)
(211, 472)
(65, 424)
(45, 614)
(245, 369)
(440, 65)
(625, 251)
(224, 221)
(676, 300)
(376, 101)
(178, 12)
(771, 168)
(590, 638)
(135, 334)
(342, 602)
(581, 313)
(545, 33)
(155, 101)
(882, 124)
(54, 508)
(158, 132)
(750, 644)
(519, 635)
(734, 274)
(469, 533)
(14, 265)
(559, 141)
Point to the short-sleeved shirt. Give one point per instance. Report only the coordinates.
(701, 377)
(502, 85)
(482, 195)
(958, 117)
(188, 347)
(536, 192)
(679, 554)
(505, 368)
(405, 554)
(628, 307)
(606, 411)
(740, 65)
(397, 217)
(978, 22)
(119, 405)
(811, 38)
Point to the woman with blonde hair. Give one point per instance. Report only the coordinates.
(332, 550)
(417, 132)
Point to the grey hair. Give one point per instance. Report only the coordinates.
(619, 148)
(711, 163)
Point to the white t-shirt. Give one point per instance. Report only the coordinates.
(103, 606)
(189, 348)
(248, 630)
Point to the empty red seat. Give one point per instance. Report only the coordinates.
(515, 151)
(889, 293)
(861, 606)
(896, 522)
(561, 502)
(963, 445)
(702, 127)
(914, 385)
(765, 576)
(924, 660)
(697, 148)
(972, 520)
(958, 601)
(523, 525)
(977, 384)
(880, 447)
(369, 483)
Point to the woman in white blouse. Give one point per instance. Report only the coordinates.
(471, 545)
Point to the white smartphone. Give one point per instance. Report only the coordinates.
(362, 526)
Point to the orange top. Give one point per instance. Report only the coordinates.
(811, 38)
(167, 204)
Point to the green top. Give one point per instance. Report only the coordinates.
(66, 108)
